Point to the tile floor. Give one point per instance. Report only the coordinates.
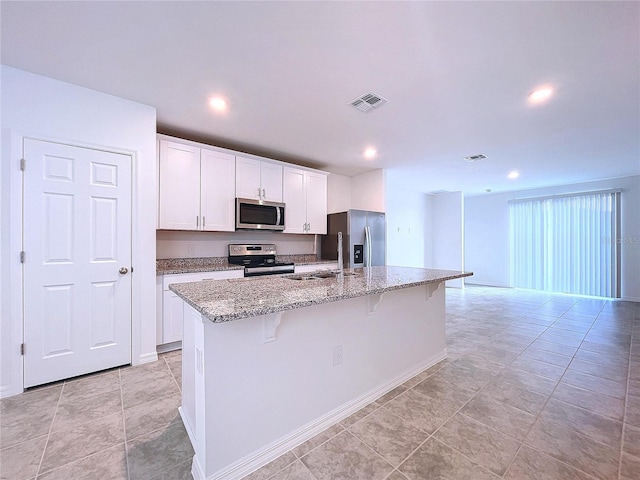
(536, 386)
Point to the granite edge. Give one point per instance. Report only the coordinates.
(256, 312)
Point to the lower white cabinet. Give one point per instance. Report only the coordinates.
(170, 320)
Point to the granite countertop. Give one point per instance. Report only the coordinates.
(234, 299)
(171, 266)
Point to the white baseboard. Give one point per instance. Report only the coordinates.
(147, 358)
(485, 284)
(261, 457)
(630, 299)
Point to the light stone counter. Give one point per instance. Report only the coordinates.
(171, 266)
(234, 299)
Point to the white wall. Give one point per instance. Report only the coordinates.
(447, 233)
(487, 232)
(338, 193)
(368, 191)
(408, 229)
(40, 107)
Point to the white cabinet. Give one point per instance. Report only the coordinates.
(196, 190)
(305, 196)
(170, 330)
(258, 180)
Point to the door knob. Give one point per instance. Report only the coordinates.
(123, 270)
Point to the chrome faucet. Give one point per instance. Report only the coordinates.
(340, 262)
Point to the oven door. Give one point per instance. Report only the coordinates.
(259, 215)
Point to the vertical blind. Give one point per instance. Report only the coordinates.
(566, 243)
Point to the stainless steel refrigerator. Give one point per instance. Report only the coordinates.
(363, 237)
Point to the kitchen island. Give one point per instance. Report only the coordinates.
(270, 362)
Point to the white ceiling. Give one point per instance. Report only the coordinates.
(456, 75)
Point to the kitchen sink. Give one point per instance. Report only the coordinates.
(321, 274)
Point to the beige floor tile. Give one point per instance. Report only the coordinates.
(530, 464)
(604, 429)
(156, 452)
(91, 385)
(271, 468)
(76, 442)
(387, 397)
(312, 443)
(528, 380)
(108, 464)
(516, 396)
(390, 436)
(631, 440)
(21, 461)
(499, 415)
(574, 448)
(359, 415)
(426, 413)
(547, 357)
(595, 384)
(344, 457)
(295, 471)
(27, 416)
(150, 416)
(629, 467)
(538, 367)
(616, 374)
(595, 402)
(438, 461)
(77, 410)
(486, 447)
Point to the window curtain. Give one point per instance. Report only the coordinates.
(566, 243)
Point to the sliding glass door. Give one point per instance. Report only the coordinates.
(567, 243)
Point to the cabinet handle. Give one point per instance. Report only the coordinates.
(203, 219)
(264, 195)
(197, 221)
(259, 194)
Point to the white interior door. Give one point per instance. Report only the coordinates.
(77, 243)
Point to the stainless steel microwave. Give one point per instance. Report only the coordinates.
(259, 215)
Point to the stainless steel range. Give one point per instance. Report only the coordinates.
(258, 259)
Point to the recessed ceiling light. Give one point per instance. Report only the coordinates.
(370, 153)
(513, 174)
(219, 104)
(540, 94)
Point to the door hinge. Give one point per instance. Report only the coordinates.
(23, 163)
(22, 349)
(22, 256)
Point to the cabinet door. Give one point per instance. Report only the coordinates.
(217, 191)
(247, 178)
(271, 181)
(316, 192)
(172, 317)
(179, 189)
(294, 198)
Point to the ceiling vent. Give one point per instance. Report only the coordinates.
(368, 102)
(474, 158)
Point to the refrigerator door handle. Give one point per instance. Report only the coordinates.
(367, 236)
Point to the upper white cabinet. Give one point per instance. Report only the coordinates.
(196, 190)
(305, 196)
(258, 180)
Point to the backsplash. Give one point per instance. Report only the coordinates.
(181, 244)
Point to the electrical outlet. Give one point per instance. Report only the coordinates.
(191, 248)
(337, 355)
